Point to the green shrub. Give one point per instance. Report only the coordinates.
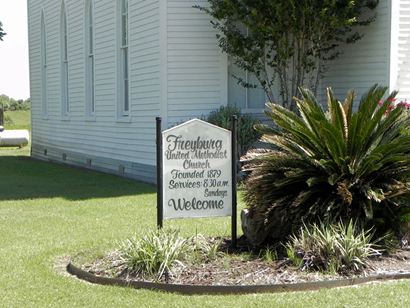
(330, 166)
(247, 135)
(333, 248)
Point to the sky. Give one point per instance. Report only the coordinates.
(14, 67)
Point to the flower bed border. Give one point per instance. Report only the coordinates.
(225, 289)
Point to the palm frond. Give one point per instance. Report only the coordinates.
(334, 165)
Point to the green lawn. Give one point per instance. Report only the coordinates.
(47, 211)
(20, 119)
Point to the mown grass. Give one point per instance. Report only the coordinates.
(48, 210)
(20, 119)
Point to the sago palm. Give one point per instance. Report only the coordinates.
(329, 166)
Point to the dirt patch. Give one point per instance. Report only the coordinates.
(239, 268)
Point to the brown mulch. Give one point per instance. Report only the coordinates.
(233, 268)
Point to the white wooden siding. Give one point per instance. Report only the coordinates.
(196, 69)
(365, 62)
(400, 62)
(177, 71)
(104, 137)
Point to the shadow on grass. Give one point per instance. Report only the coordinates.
(24, 178)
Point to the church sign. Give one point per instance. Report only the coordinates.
(194, 170)
(197, 174)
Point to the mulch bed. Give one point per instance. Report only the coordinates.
(232, 268)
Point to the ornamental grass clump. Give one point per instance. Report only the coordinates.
(153, 254)
(329, 166)
(341, 248)
(203, 249)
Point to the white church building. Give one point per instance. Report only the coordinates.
(101, 71)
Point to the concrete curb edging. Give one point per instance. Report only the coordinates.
(224, 290)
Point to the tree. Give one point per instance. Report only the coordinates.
(286, 41)
(10, 104)
(2, 33)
